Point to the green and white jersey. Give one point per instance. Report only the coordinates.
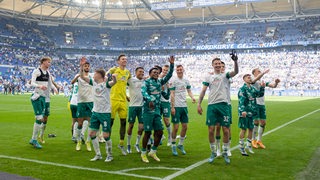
(179, 86)
(166, 90)
(85, 93)
(217, 84)
(247, 99)
(101, 94)
(74, 94)
(151, 91)
(260, 100)
(134, 86)
(41, 77)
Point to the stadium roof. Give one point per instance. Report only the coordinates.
(155, 13)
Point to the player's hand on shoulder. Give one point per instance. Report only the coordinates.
(244, 114)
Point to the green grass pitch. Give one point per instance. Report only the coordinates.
(289, 149)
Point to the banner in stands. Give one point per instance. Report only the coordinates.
(239, 46)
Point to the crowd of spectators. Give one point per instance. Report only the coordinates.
(298, 70)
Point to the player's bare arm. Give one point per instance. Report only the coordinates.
(74, 80)
(201, 96)
(260, 76)
(275, 84)
(172, 94)
(234, 57)
(191, 96)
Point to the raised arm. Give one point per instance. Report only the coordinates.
(275, 84)
(169, 75)
(74, 80)
(260, 76)
(235, 71)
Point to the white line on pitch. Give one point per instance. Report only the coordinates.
(79, 167)
(150, 168)
(178, 173)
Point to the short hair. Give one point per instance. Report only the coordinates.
(179, 65)
(244, 76)
(101, 71)
(159, 68)
(139, 68)
(46, 58)
(154, 68)
(120, 56)
(216, 59)
(87, 63)
(166, 65)
(223, 63)
(254, 70)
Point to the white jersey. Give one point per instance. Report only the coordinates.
(85, 93)
(101, 102)
(180, 86)
(259, 100)
(74, 94)
(217, 85)
(228, 86)
(47, 93)
(41, 77)
(134, 85)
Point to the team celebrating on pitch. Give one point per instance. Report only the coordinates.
(96, 98)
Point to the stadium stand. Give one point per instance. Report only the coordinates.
(288, 48)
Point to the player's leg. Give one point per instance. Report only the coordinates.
(255, 128)
(81, 116)
(140, 129)
(158, 132)
(73, 109)
(44, 123)
(224, 120)
(122, 115)
(88, 112)
(210, 122)
(106, 128)
(229, 143)
(147, 125)
(243, 128)
(218, 138)
(175, 122)
(131, 121)
(94, 127)
(38, 107)
(262, 126)
(184, 119)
